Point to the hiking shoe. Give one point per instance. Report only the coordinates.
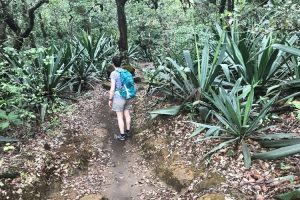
(127, 134)
(120, 137)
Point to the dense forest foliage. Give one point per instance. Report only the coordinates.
(231, 62)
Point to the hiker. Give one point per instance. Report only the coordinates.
(122, 90)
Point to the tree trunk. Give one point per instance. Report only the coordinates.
(222, 6)
(42, 25)
(32, 41)
(230, 5)
(122, 25)
(213, 2)
(13, 25)
(2, 32)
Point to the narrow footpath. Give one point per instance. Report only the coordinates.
(116, 171)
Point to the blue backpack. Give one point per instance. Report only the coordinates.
(128, 90)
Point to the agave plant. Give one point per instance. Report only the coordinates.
(189, 81)
(95, 50)
(54, 64)
(83, 74)
(292, 67)
(294, 59)
(238, 122)
(92, 65)
(255, 58)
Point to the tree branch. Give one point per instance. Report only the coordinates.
(32, 17)
(94, 6)
(8, 18)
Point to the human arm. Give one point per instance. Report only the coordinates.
(111, 92)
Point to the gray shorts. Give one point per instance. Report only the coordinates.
(120, 104)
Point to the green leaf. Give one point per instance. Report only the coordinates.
(173, 110)
(279, 143)
(262, 114)
(275, 136)
(296, 104)
(213, 137)
(43, 111)
(220, 146)
(12, 116)
(294, 195)
(197, 131)
(3, 115)
(212, 131)
(8, 148)
(287, 49)
(4, 125)
(279, 153)
(8, 139)
(188, 60)
(204, 65)
(246, 153)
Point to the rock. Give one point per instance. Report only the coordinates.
(137, 79)
(178, 176)
(212, 197)
(151, 149)
(168, 177)
(93, 197)
(203, 111)
(100, 132)
(106, 85)
(213, 180)
(183, 174)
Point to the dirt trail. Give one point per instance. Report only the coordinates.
(118, 172)
(127, 175)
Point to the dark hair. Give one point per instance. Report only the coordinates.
(117, 61)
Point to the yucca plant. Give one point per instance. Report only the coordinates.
(240, 119)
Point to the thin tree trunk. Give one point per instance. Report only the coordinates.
(43, 29)
(213, 2)
(230, 5)
(222, 6)
(13, 25)
(32, 41)
(122, 25)
(3, 35)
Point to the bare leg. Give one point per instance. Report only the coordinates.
(120, 116)
(127, 118)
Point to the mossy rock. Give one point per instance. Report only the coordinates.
(168, 177)
(212, 197)
(148, 151)
(93, 197)
(213, 180)
(176, 175)
(106, 85)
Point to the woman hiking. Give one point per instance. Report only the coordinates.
(118, 103)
